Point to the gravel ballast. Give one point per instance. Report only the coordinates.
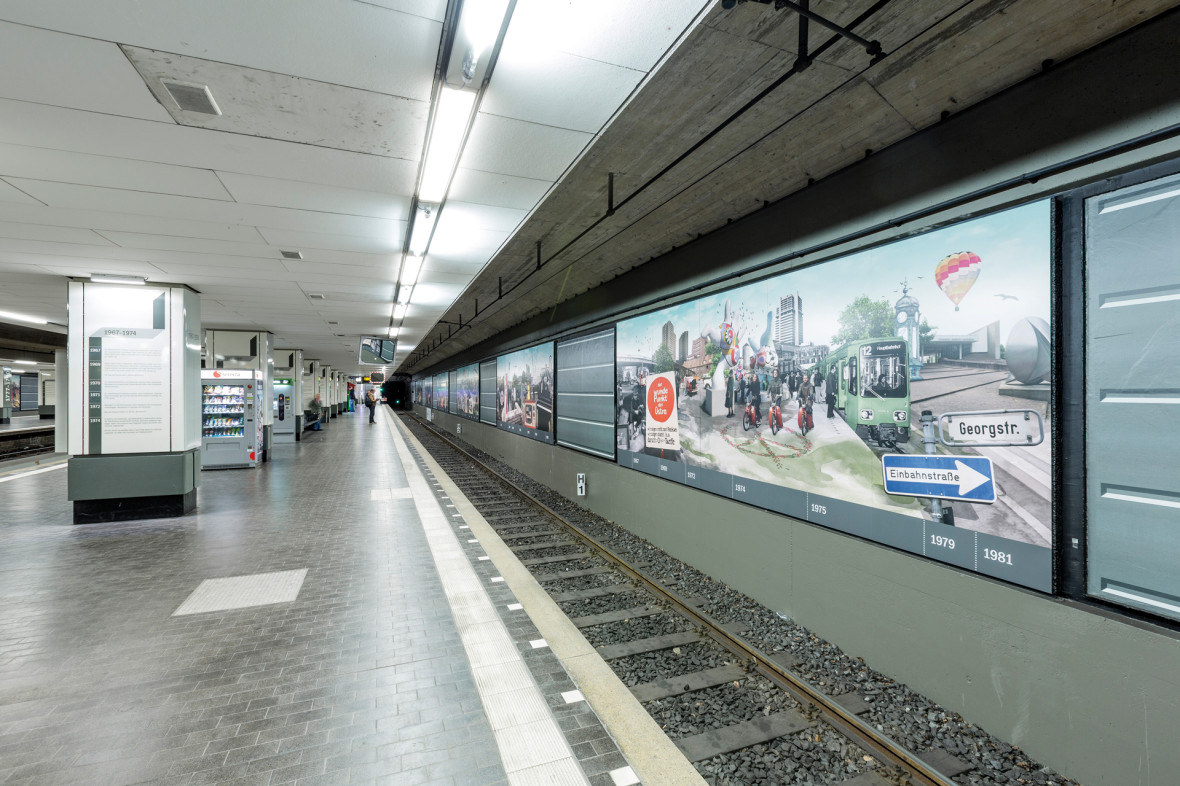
(911, 720)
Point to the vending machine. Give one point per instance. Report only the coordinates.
(231, 418)
(284, 410)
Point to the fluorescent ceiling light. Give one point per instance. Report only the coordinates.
(479, 27)
(410, 268)
(25, 362)
(403, 295)
(104, 278)
(424, 220)
(23, 318)
(399, 311)
(446, 141)
(393, 332)
(481, 22)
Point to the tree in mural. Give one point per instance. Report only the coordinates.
(663, 360)
(713, 355)
(864, 318)
(926, 336)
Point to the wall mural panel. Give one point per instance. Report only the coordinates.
(805, 393)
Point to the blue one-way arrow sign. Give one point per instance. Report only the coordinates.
(945, 477)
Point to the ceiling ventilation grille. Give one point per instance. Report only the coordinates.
(291, 255)
(315, 296)
(191, 97)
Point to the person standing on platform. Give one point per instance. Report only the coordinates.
(830, 391)
(317, 412)
(371, 403)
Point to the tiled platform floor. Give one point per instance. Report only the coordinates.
(361, 679)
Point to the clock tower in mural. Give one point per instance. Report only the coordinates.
(905, 324)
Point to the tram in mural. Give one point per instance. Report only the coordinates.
(871, 387)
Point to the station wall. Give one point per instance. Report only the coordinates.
(1088, 690)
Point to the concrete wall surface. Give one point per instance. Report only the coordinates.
(1091, 695)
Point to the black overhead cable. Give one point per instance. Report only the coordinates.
(798, 67)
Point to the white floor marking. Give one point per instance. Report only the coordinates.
(532, 749)
(624, 776)
(572, 696)
(33, 472)
(242, 592)
(538, 644)
(515, 606)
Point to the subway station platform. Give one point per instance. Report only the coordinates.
(323, 619)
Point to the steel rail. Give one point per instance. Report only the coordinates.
(799, 688)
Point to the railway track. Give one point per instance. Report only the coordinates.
(997, 376)
(740, 713)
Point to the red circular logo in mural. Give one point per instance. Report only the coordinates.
(661, 399)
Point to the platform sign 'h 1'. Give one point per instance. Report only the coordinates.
(967, 478)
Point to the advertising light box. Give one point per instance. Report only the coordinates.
(525, 392)
(441, 399)
(803, 394)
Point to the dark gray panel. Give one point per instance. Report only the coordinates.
(487, 392)
(133, 475)
(585, 404)
(645, 463)
(1132, 397)
(670, 470)
(588, 379)
(898, 530)
(595, 437)
(949, 544)
(1011, 560)
(597, 407)
(845, 516)
(709, 480)
(28, 392)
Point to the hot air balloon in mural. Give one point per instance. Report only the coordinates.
(956, 274)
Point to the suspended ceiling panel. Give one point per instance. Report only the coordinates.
(12, 194)
(489, 188)
(389, 242)
(533, 83)
(316, 197)
(513, 147)
(36, 213)
(63, 70)
(261, 103)
(357, 44)
(620, 32)
(9, 229)
(223, 269)
(35, 125)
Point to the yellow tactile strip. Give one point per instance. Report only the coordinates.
(655, 759)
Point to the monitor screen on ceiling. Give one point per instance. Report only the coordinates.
(377, 351)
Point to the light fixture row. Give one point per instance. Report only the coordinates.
(476, 32)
